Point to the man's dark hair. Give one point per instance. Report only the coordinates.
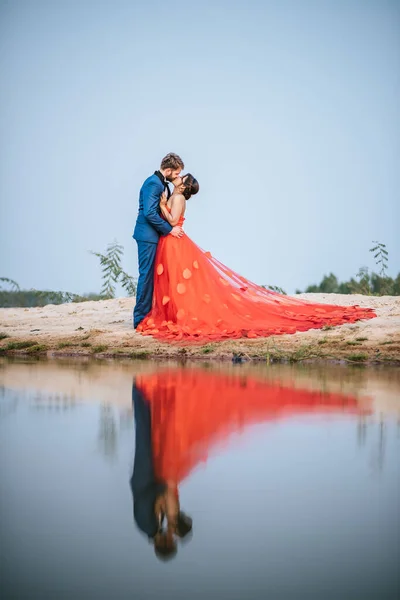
(172, 161)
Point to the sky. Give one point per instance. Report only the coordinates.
(287, 112)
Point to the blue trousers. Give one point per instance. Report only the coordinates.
(145, 286)
(144, 486)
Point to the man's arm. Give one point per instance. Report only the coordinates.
(151, 199)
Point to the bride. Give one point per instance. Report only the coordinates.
(197, 298)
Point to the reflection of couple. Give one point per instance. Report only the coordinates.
(181, 415)
(185, 293)
(154, 497)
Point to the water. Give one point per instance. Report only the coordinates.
(291, 476)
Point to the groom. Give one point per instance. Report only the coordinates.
(149, 227)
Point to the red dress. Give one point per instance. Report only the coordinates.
(197, 298)
(193, 411)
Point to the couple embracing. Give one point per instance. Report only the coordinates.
(185, 294)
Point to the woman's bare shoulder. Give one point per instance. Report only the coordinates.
(177, 200)
(178, 197)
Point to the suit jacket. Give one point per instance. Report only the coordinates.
(145, 488)
(149, 224)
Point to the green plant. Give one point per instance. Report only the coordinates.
(112, 271)
(27, 298)
(20, 345)
(86, 344)
(14, 285)
(381, 257)
(98, 349)
(37, 348)
(364, 281)
(3, 336)
(301, 353)
(361, 339)
(274, 288)
(208, 348)
(357, 357)
(139, 354)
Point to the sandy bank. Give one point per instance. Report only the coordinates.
(104, 328)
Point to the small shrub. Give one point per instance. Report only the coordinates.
(37, 348)
(113, 273)
(300, 354)
(3, 336)
(20, 345)
(357, 357)
(140, 354)
(64, 345)
(207, 349)
(98, 349)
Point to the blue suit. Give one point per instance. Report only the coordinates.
(149, 226)
(145, 488)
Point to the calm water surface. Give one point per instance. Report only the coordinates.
(290, 474)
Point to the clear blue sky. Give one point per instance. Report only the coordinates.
(287, 112)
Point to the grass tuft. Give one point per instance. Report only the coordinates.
(139, 354)
(64, 345)
(357, 357)
(98, 349)
(207, 349)
(20, 345)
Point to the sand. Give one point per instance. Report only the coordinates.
(104, 328)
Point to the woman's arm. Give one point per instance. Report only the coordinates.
(177, 208)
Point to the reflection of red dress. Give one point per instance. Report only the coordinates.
(193, 410)
(197, 298)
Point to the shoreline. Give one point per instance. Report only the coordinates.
(67, 382)
(103, 329)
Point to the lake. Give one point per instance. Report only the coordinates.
(290, 474)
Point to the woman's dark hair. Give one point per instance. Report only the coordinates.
(191, 186)
(184, 525)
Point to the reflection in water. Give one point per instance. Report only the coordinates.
(378, 453)
(373, 433)
(181, 415)
(108, 434)
(299, 505)
(154, 497)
